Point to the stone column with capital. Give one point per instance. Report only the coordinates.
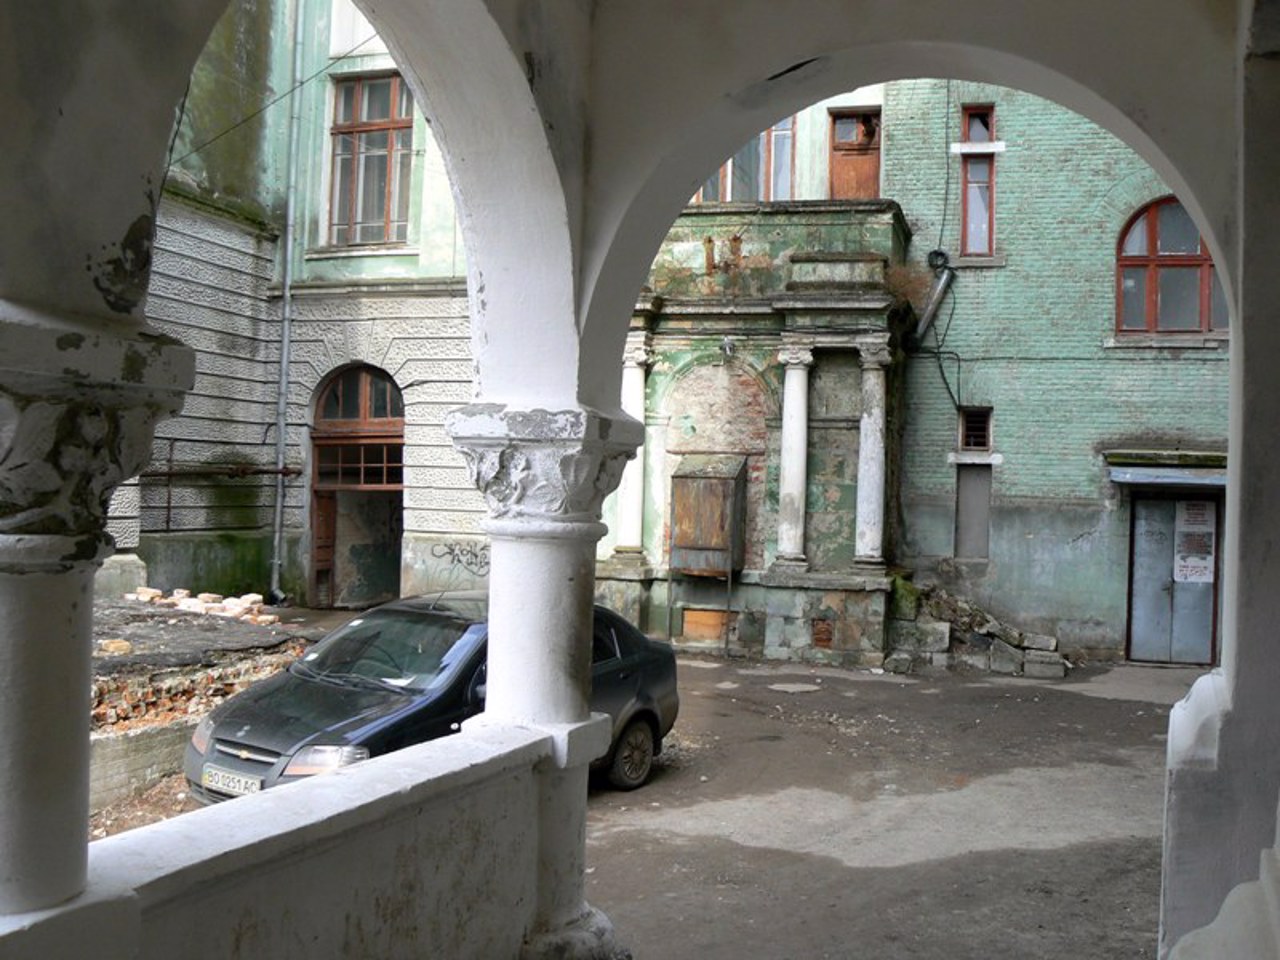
(630, 539)
(869, 527)
(793, 472)
(544, 475)
(78, 406)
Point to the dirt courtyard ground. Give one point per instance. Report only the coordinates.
(802, 813)
(812, 813)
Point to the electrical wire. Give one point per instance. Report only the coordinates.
(946, 179)
(265, 107)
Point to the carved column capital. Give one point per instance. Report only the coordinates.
(796, 355)
(547, 471)
(874, 352)
(639, 351)
(77, 414)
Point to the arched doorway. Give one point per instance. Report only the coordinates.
(357, 484)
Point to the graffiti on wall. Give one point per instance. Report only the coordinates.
(470, 556)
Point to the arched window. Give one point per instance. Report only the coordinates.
(1165, 279)
(359, 432)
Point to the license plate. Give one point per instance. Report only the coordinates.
(227, 781)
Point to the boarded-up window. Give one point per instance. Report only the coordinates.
(973, 511)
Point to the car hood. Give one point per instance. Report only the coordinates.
(287, 711)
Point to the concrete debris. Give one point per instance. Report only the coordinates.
(952, 632)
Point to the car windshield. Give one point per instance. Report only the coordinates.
(410, 650)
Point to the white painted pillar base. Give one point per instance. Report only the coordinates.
(545, 476)
(630, 541)
(77, 409)
(793, 469)
(869, 522)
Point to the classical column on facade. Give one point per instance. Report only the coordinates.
(77, 411)
(630, 532)
(793, 472)
(875, 356)
(544, 475)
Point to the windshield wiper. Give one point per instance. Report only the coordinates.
(361, 680)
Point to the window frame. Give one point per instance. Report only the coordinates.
(978, 151)
(356, 129)
(963, 423)
(352, 439)
(764, 144)
(1151, 264)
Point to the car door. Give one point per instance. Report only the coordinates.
(615, 677)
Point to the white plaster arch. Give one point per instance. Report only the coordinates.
(510, 178)
(725, 77)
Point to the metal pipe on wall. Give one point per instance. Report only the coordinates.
(286, 304)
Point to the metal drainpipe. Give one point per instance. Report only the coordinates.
(286, 304)
(943, 275)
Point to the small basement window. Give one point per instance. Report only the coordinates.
(975, 428)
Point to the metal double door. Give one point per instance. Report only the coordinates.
(1174, 580)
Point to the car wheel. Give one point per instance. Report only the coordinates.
(633, 759)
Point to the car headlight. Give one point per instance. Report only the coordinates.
(323, 758)
(202, 733)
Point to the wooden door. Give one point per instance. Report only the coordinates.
(323, 534)
(855, 155)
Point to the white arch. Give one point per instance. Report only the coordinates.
(511, 188)
(725, 77)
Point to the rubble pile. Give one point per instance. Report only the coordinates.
(160, 659)
(247, 608)
(131, 700)
(930, 627)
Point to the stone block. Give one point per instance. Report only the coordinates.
(922, 636)
(1005, 658)
(1039, 641)
(1043, 665)
(941, 659)
(975, 659)
(904, 600)
(148, 594)
(209, 597)
(898, 662)
(193, 604)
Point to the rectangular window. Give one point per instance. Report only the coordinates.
(372, 137)
(760, 171)
(975, 428)
(977, 174)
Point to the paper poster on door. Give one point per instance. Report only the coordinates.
(1194, 529)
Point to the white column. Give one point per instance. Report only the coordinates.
(635, 361)
(545, 476)
(70, 431)
(793, 471)
(869, 531)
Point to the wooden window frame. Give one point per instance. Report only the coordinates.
(1151, 263)
(355, 128)
(764, 142)
(358, 435)
(966, 162)
(855, 146)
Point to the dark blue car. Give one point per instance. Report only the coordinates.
(406, 672)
